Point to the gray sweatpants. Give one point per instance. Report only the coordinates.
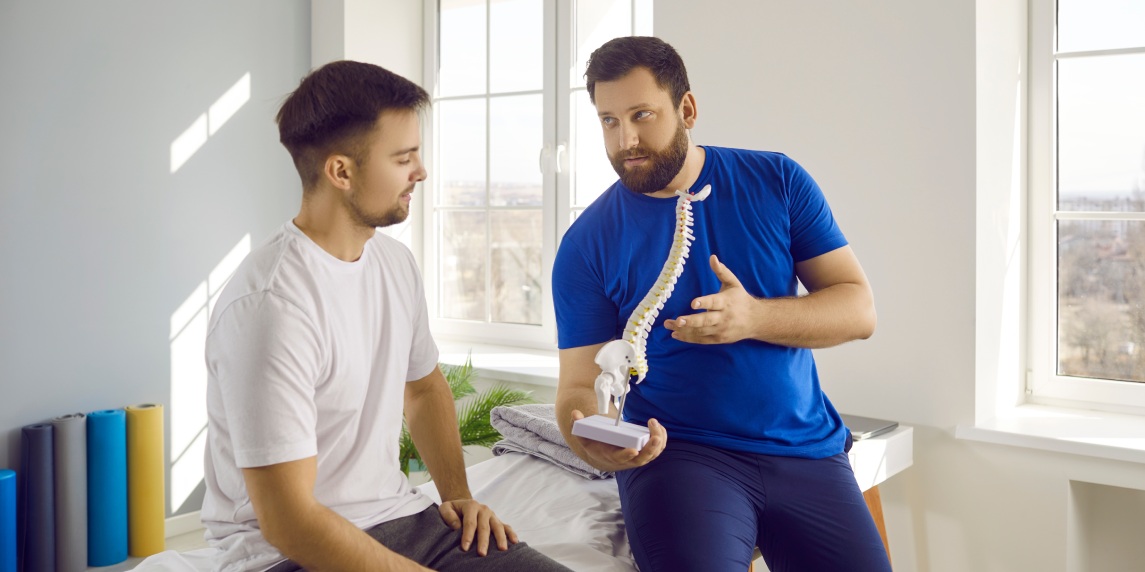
(427, 540)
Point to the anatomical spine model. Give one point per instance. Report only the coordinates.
(626, 357)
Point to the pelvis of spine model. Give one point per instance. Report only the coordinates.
(616, 360)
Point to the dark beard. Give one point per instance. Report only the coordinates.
(388, 218)
(663, 166)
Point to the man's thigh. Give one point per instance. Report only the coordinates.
(693, 508)
(427, 540)
(816, 519)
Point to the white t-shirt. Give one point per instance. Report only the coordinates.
(308, 355)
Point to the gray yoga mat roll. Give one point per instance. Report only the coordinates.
(70, 436)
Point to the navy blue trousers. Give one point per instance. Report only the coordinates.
(697, 507)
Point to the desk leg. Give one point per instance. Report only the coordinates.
(875, 505)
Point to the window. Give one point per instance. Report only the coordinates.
(1087, 203)
(515, 151)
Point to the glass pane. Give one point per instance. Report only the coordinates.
(461, 43)
(1101, 299)
(642, 9)
(460, 164)
(462, 274)
(1100, 24)
(598, 21)
(1101, 133)
(515, 139)
(592, 173)
(516, 45)
(516, 266)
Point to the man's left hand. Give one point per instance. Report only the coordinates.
(476, 519)
(729, 315)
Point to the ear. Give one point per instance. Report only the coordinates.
(688, 110)
(338, 170)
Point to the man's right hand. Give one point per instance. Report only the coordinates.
(612, 458)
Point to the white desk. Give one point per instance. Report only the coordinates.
(875, 460)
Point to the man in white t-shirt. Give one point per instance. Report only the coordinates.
(315, 347)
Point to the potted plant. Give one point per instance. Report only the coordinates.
(472, 416)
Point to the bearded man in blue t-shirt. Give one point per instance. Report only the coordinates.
(758, 454)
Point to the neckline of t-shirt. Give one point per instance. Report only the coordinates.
(329, 260)
(702, 179)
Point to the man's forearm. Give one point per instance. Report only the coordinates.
(322, 541)
(432, 420)
(822, 319)
(583, 400)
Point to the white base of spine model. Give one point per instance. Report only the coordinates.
(621, 359)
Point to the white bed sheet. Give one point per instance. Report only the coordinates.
(570, 519)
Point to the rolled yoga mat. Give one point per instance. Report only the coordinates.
(145, 480)
(7, 521)
(106, 487)
(37, 513)
(70, 444)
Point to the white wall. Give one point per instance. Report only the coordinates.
(880, 102)
(100, 242)
(388, 33)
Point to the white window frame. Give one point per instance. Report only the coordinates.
(553, 159)
(1044, 386)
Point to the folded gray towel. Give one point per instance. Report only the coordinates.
(532, 429)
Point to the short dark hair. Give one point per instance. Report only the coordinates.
(335, 107)
(619, 56)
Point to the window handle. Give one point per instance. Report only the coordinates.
(543, 158)
(562, 159)
(557, 160)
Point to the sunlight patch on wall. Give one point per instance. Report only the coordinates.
(207, 124)
(189, 375)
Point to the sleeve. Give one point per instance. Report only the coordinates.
(585, 314)
(265, 356)
(813, 227)
(423, 355)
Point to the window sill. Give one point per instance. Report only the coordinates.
(1098, 434)
(504, 363)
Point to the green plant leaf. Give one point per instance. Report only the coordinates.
(472, 416)
(460, 378)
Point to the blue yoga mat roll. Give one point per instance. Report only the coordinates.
(106, 487)
(37, 526)
(7, 521)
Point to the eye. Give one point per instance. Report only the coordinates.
(404, 160)
(608, 121)
(642, 115)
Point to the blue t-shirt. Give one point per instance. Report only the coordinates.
(764, 214)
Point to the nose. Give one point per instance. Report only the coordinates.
(419, 174)
(628, 137)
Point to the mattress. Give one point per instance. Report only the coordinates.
(570, 519)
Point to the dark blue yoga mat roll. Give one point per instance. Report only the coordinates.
(7, 521)
(37, 518)
(106, 487)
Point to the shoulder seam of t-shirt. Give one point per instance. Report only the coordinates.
(264, 288)
(263, 292)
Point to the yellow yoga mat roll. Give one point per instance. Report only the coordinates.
(145, 481)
